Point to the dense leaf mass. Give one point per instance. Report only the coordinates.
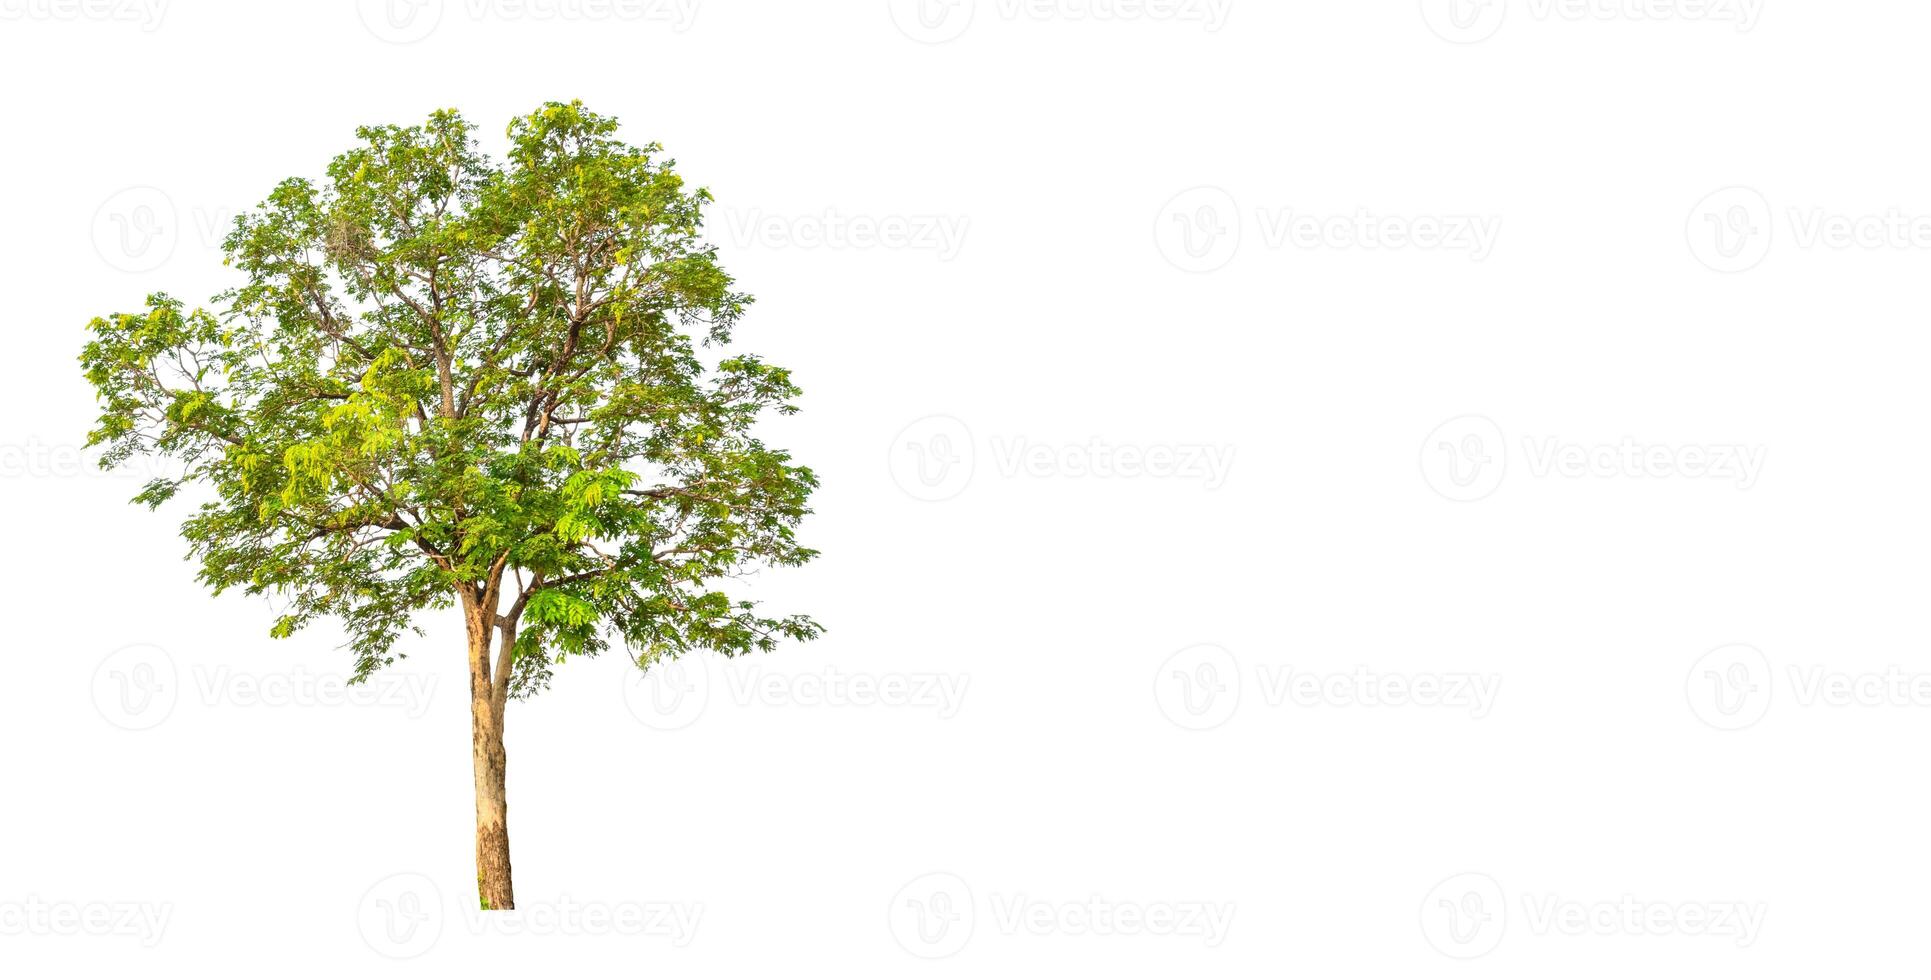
(453, 380)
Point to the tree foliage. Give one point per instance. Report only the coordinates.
(447, 379)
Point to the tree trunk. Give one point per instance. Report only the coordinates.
(492, 801)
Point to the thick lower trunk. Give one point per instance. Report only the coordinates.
(492, 802)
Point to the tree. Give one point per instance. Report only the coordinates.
(452, 382)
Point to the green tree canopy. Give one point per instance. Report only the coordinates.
(448, 379)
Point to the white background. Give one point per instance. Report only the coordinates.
(1655, 632)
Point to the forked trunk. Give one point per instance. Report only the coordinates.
(492, 805)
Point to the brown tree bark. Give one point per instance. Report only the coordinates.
(493, 886)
